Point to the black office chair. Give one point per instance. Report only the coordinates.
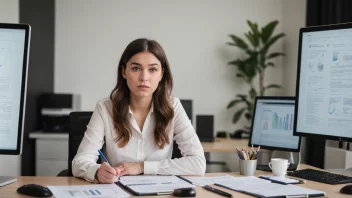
(78, 122)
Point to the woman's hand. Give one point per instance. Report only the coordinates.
(107, 174)
(127, 168)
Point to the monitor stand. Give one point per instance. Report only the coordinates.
(291, 161)
(4, 180)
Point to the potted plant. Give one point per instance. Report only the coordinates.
(253, 64)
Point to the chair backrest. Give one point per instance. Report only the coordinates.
(187, 105)
(78, 122)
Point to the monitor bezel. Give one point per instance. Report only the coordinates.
(305, 30)
(20, 129)
(273, 147)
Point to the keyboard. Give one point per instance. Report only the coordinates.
(321, 176)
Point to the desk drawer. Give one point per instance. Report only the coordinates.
(52, 149)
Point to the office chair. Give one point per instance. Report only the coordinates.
(78, 122)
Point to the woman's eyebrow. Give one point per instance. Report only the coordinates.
(138, 64)
(154, 64)
(135, 63)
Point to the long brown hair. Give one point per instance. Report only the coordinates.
(120, 95)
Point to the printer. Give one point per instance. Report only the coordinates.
(54, 110)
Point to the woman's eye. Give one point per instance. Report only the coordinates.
(153, 70)
(135, 68)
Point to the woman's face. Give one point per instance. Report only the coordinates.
(143, 73)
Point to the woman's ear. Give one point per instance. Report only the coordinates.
(162, 74)
(123, 72)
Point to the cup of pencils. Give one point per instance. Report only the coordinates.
(247, 161)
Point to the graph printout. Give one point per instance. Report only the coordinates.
(91, 191)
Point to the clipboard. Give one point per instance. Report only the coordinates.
(152, 185)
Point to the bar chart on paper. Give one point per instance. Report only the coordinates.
(99, 190)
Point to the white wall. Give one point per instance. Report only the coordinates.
(294, 18)
(90, 37)
(9, 13)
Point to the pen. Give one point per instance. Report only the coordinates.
(217, 191)
(105, 160)
(102, 156)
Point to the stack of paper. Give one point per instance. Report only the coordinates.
(265, 188)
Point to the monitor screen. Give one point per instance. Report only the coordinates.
(272, 124)
(14, 48)
(324, 82)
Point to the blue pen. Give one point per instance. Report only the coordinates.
(105, 160)
(102, 156)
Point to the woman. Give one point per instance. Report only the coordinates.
(139, 122)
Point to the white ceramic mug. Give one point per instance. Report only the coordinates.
(279, 166)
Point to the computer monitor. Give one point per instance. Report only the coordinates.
(324, 82)
(14, 50)
(272, 124)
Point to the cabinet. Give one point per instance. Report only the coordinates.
(335, 157)
(51, 152)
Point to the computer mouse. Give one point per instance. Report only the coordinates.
(35, 190)
(346, 189)
(184, 192)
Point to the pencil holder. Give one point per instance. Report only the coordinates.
(247, 167)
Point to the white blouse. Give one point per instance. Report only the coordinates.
(142, 146)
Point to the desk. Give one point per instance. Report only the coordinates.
(10, 190)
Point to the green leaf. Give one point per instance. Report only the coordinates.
(236, 62)
(271, 42)
(275, 54)
(273, 86)
(232, 44)
(268, 30)
(253, 38)
(240, 75)
(253, 26)
(238, 115)
(270, 64)
(233, 103)
(253, 93)
(248, 116)
(244, 98)
(239, 42)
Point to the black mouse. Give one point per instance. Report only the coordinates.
(35, 190)
(346, 189)
(185, 192)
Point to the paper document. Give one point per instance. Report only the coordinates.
(97, 190)
(202, 181)
(153, 184)
(265, 188)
